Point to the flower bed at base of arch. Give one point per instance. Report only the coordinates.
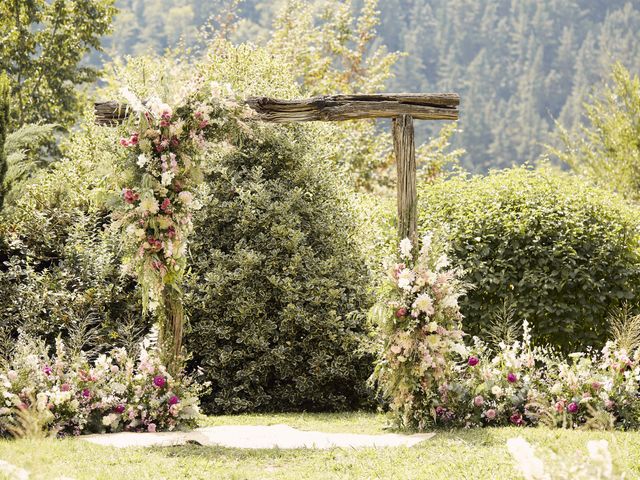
(432, 378)
(66, 394)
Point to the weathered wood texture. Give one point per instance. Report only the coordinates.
(329, 108)
(407, 194)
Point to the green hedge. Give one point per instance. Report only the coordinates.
(279, 282)
(557, 250)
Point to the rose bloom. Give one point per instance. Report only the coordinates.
(151, 428)
(490, 414)
(473, 361)
(572, 407)
(173, 400)
(560, 406)
(512, 378)
(478, 401)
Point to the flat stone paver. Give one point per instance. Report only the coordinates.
(255, 437)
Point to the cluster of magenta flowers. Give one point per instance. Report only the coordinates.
(115, 392)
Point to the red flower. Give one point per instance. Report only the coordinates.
(516, 419)
(166, 203)
(401, 312)
(130, 196)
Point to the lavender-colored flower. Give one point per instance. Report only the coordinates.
(572, 407)
(473, 361)
(173, 400)
(512, 378)
(159, 381)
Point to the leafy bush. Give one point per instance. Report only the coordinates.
(558, 251)
(59, 263)
(72, 395)
(279, 281)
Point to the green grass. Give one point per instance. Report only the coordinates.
(460, 454)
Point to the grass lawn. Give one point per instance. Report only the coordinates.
(459, 454)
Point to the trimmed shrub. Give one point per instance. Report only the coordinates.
(279, 282)
(559, 251)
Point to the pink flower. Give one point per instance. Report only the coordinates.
(560, 406)
(203, 124)
(401, 312)
(490, 414)
(159, 381)
(130, 196)
(596, 385)
(173, 400)
(65, 387)
(440, 411)
(478, 401)
(119, 408)
(473, 361)
(516, 419)
(47, 370)
(572, 407)
(134, 139)
(166, 204)
(512, 378)
(609, 404)
(86, 393)
(124, 142)
(151, 427)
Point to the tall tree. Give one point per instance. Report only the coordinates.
(42, 44)
(4, 121)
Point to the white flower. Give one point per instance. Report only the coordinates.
(132, 100)
(496, 390)
(142, 160)
(149, 204)
(426, 244)
(185, 197)
(167, 177)
(157, 107)
(423, 303)
(432, 327)
(108, 420)
(405, 248)
(450, 301)
(406, 278)
(118, 388)
(529, 465)
(442, 262)
(460, 349)
(12, 375)
(41, 401)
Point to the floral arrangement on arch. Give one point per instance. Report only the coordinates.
(71, 395)
(432, 378)
(422, 331)
(165, 146)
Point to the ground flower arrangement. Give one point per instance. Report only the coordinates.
(69, 395)
(433, 378)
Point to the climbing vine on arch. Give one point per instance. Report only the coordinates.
(165, 146)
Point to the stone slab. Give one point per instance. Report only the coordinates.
(257, 437)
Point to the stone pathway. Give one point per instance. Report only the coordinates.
(254, 437)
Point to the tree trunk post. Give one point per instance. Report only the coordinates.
(405, 150)
(172, 331)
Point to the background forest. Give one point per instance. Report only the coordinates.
(519, 65)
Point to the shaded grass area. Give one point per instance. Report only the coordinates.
(458, 454)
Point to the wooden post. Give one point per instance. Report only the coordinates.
(405, 150)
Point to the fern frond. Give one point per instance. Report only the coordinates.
(29, 137)
(503, 327)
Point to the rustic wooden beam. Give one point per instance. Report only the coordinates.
(421, 106)
(407, 196)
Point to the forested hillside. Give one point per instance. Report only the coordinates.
(513, 61)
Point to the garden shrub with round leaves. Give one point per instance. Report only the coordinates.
(557, 250)
(278, 282)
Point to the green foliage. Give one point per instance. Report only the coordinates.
(59, 263)
(41, 46)
(557, 250)
(278, 282)
(607, 148)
